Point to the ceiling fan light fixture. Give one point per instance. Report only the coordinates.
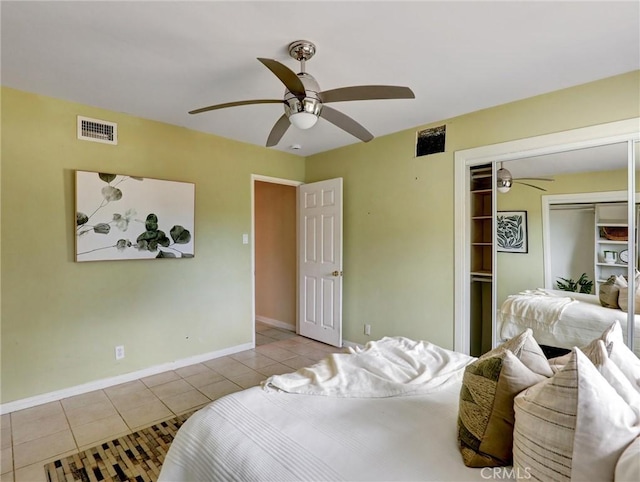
(303, 100)
(504, 179)
(303, 120)
(504, 186)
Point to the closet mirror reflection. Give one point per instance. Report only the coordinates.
(578, 232)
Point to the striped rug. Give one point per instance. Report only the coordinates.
(134, 457)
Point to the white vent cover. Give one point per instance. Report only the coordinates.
(97, 130)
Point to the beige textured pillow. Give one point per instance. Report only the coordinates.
(623, 295)
(608, 293)
(573, 426)
(485, 416)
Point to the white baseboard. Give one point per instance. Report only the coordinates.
(117, 380)
(276, 323)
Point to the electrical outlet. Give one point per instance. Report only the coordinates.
(119, 352)
(367, 329)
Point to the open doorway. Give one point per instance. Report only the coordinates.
(275, 258)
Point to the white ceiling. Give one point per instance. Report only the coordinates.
(158, 60)
(593, 159)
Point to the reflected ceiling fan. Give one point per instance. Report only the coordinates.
(304, 102)
(505, 180)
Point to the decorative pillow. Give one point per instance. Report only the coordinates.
(621, 355)
(623, 295)
(572, 426)
(526, 348)
(612, 374)
(609, 293)
(628, 466)
(485, 417)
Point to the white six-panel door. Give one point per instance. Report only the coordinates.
(320, 261)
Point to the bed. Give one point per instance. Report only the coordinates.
(560, 319)
(374, 421)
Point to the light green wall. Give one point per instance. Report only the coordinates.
(518, 272)
(398, 226)
(61, 320)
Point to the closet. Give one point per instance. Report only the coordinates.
(481, 279)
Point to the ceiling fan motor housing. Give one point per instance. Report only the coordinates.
(505, 180)
(311, 102)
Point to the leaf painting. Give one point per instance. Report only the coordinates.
(511, 232)
(127, 217)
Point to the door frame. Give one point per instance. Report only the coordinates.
(252, 239)
(609, 133)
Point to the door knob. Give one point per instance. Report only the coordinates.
(337, 273)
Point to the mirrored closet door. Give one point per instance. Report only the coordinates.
(578, 228)
(594, 172)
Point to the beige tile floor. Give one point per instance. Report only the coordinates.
(35, 436)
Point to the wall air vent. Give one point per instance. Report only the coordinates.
(97, 130)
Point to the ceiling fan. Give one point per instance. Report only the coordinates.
(505, 180)
(304, 102)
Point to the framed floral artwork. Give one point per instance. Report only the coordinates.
(511, 231)
(122, 217)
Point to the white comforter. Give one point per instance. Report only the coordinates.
(536, 307)
(385, 368)
(271, 435)
(579, 322)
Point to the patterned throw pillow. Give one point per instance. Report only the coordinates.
(489, 385)
(573, 426)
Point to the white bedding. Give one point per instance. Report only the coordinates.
(578, 324)
(385, 368)
(255, 435)
(264, 434)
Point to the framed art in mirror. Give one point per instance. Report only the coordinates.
(511, 231)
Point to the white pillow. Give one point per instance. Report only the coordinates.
(621, 355)
(628, 466)
(611, 373)
(572, 426)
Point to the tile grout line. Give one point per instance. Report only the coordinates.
(266, 340)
